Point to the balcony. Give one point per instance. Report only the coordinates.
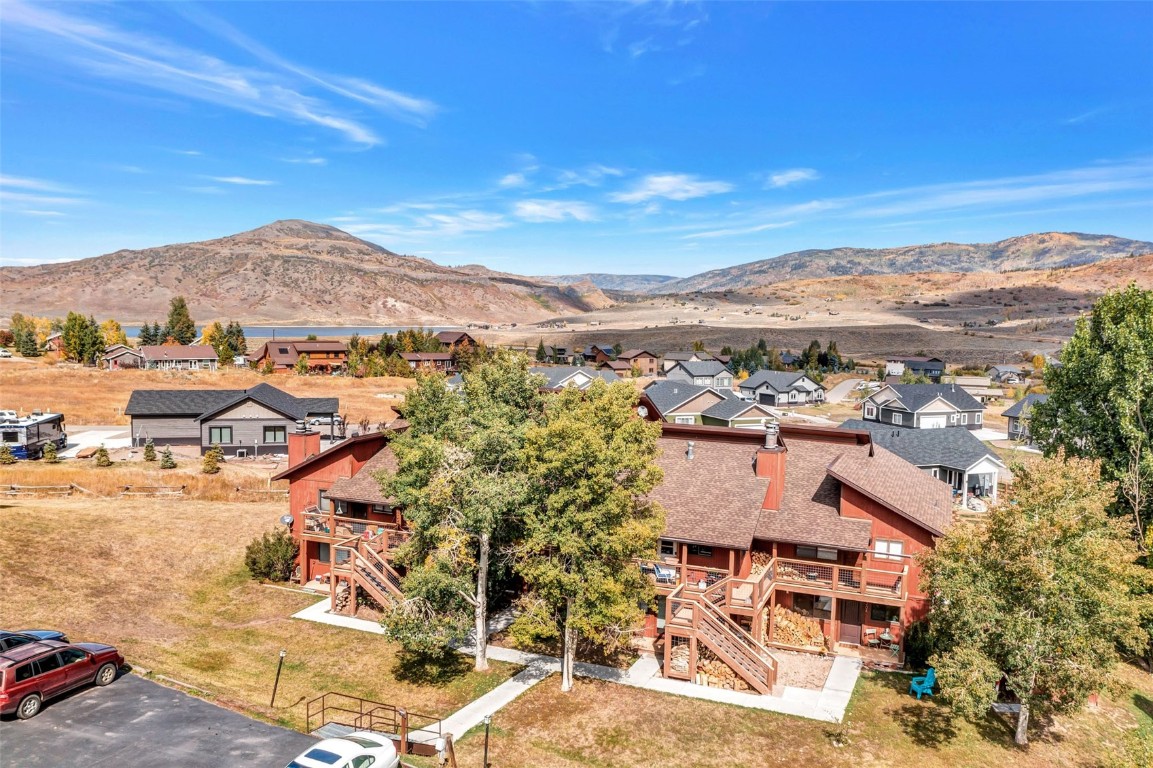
(667, 576)
(329, 527)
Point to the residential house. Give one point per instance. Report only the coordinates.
(347, 528)
(1018, 417)
(167, 357)
(284, 354)
(790, 360)
(671, 359)
(244, 422)
(781, 388)
(580, 376)
(450, 339)
(817, 521)
(1009, 374)
(649, 363)
(54, 342)
(932, 368)
(680, 402)
(595, 354)
(703, 373)
(558, 355)
(981, 388)
(953, 455)
(923, 406)
(621, 368)
(441, 362)
(120, 356)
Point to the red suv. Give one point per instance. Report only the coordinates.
(34, 672)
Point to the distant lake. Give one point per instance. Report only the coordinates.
(302, 331)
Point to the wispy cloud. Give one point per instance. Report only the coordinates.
(648, 26)
(553, 210)
(1085, 117)
(513, 180)
(739, 230)
(35, 185)
(46, 214)
(424, 226)
(672, 186)
(589, 176)
(283, 91)
(188, 152)
(305, 160)
(778, 179)
(243, 181)
(34, 197)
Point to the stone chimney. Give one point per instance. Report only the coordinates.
(302, 443)
(770, 463)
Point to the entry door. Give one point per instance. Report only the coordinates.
(851, 613)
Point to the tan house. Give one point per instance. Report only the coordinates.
(323, 356)
(649, 363)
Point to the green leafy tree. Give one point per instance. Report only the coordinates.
(301, 366)
(1040, 595)
(166, 459)
(268, 367)
(1101, 400)
(180, 326)
(698, 346)
(102, 457)
(541, 352)
(50, 453)
(460, 479)
(272, 556)
(74, 337)
(149, 450)
(908, 377)
(6, 456)
(113, 333)
(590, 467)
(310, 337)
(617, 349)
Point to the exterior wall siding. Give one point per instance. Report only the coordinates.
(178, 430)
(248, 434)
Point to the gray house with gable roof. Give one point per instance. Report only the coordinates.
(781, 388)
(242, 422)
(703, 373)
(923, 406)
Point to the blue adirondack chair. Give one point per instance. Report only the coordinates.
(924, 685)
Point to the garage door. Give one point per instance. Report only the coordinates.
(933, 422)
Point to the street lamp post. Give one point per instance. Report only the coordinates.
(487, 723)
(279, 666)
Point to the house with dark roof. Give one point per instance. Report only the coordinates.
(450, 339)
(621, 368)
(649, 363)
(558, 355)
(932, 368)
(1018, 416)
(120, 356)
(558, 377)
(243, 422)
(923, 406)
(704, 373)
(679, 402)
(762, 525)
(182, 357)
(953, 455)
(595, 354)
(781, 388)
(1006, 373)
(322, 356)
(441, 362)
(671, 359)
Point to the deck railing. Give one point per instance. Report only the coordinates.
(668, 575)
(841, 578)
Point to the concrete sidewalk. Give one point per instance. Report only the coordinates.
(827, 705)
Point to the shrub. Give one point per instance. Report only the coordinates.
(149, 451)
(6, 456)
(212, 459)
(272, 556)
(50, 454)
(919, 644)
(102, 457)
(166, 460)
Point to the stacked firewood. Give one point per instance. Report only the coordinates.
(715, 673)
(679, 658)
(761, 561)
(342, 597)
(791, 628)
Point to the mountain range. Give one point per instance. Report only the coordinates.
(299, 272)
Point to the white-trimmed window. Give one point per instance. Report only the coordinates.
(898, 418)
(323, 503)
(684, 420)
(889, 549)
(668, 548)
(977, 418)
(870, 411)
(964, 418)
(952, 418)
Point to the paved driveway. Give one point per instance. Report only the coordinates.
(842, 390)
(136, 722)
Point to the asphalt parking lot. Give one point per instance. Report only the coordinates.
(136, 722)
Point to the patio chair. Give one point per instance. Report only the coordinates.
(871, 637)
(923, 685)
(665, 575)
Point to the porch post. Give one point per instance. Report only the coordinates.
(834, 624)
(772, 606)
(965, 490)
(995, 474)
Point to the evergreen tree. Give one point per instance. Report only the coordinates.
(149, 451)
(773, 361)
(102, 457)
(214, 337)
(144, 336)
(93, 342)
(166, 460)
(236, 340)
(158, 334)
(541, 352)
(726, 350)
(210, 465)
(590, 467)
(74, 337)
(832, 357)
(617, 349)
(180, 326)
(50, 453)
(762, 347)
(6, 456)
(811, 357)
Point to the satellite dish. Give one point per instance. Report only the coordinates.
(642, 411)
(286, 520)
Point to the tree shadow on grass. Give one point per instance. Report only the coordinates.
(430, 669)
(927, 723)
(1143, 703)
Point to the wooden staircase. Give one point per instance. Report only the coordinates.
(705, 613)
(368, 570)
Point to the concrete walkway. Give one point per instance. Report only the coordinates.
(842, 390)
(827, 705)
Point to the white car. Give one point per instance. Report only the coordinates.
(361, 749)
(5, 353)
(324, 421)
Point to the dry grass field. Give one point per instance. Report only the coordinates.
(165, 582)
(91, 396)
(612, 726)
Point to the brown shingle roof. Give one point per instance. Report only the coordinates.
(629, 354)
(713, 499)
(894, 482)
(178, 352)
(810, 503)
(363, 486)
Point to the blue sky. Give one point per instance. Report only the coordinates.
(547, 138)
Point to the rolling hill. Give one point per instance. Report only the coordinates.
(288, 272)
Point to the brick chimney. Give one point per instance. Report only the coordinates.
(302, 443)
(770, 463)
